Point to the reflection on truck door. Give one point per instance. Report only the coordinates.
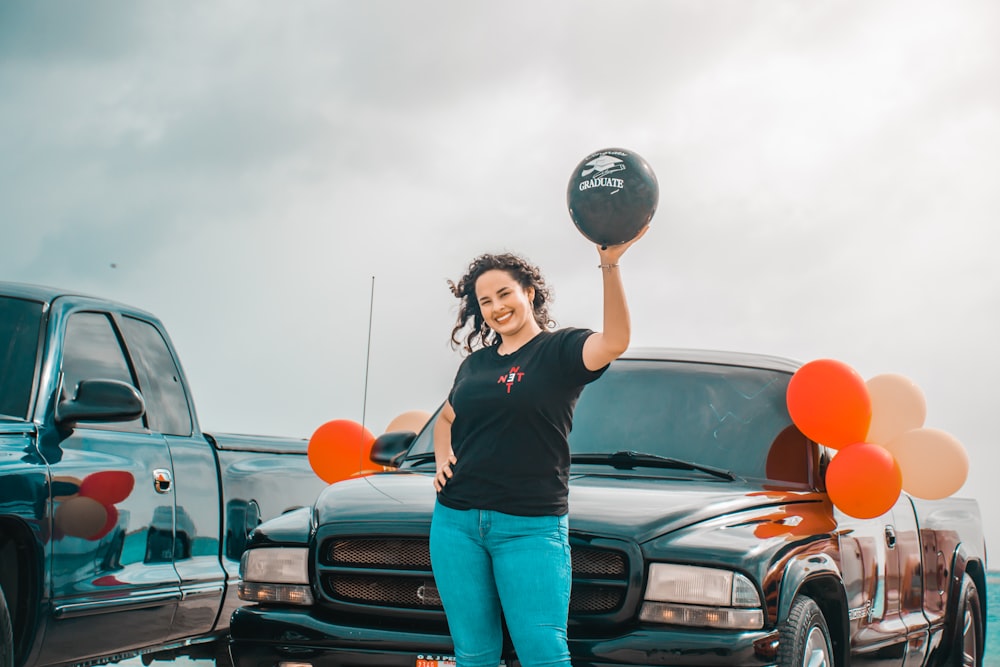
(196, 483)
(878, 554)
(115, 588)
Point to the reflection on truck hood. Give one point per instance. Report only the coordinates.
(628, 506)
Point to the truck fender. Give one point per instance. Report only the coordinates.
(817, 576)
(21, 565)
(960, 566)
(293, 527)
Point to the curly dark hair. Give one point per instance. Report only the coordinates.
(526, 275)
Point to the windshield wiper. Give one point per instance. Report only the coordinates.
(628, 460)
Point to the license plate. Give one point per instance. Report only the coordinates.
(427, 660)
(433, 660)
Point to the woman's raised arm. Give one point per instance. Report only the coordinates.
(608, 344)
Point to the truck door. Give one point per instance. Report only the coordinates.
(911, 600)
(112, 583)
(196, 485)
(880, 586)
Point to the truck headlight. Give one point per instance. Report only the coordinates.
(275, 575)
(701, 596)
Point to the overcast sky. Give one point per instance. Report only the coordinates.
(249, 170)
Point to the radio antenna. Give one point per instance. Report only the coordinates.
(368, 352)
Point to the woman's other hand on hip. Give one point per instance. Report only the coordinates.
(444, 473)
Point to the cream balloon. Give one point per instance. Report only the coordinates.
(934, 463)
(411, 420)
(81, 517)
(898, 406)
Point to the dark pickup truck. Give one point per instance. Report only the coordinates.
(700, 531)
(121, 523)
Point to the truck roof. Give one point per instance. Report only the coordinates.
(724, 357)
(36, 292)
(47, 295)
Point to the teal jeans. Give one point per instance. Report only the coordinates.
(487, 562)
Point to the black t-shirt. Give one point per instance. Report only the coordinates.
(513, 414)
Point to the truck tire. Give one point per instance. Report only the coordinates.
(6, 634)
(223, 658)
(967, 649)
(804, 637)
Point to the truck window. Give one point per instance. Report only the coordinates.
(92, 351)
(20, 321)
(728, 417)
(166, 401)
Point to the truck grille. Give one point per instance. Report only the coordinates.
(364, 552)
(395, 572)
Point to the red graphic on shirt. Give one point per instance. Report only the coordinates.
(514, 375)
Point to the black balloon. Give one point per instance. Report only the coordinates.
(612, 195)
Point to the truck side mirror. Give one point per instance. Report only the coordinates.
(101, 401)
(389, 447)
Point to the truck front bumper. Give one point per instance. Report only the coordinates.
(299, 637)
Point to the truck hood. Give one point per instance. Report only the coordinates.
(617, 506)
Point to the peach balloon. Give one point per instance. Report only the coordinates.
(65, 487)
(898, 405)
(863, 480)
(411, 420)
(81, 517)
(934, 463)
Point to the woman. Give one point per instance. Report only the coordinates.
(499, 533)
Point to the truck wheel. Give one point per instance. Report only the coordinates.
(804, 637)
(6, 634)
(222, 656)
(967, 651)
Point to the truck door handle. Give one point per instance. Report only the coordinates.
(161, 480)
(890, 537)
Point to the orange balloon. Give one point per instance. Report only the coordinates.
(770, 529)
(797, 522)
(934, 463)
(829, 402)
(340, 448)
(898, 405)
(108, 487)
(109, 525)
(864, 480)
(786, 459)
(411, 420)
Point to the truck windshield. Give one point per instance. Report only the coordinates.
(20, 321)
(727, 418)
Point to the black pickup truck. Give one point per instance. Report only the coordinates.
(121, 523)
(701, 534)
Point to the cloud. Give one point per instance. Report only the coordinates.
(826, 174)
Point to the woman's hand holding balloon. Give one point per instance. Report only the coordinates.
(612, 253)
